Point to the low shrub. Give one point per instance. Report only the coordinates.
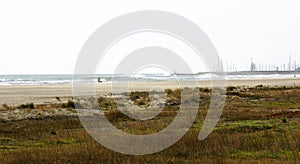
(26, 106)
(5, 106)
(69, 104)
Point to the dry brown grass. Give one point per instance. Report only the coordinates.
(251, 130)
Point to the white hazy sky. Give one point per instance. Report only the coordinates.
(39, 37)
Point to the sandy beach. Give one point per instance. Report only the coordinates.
(39, 94)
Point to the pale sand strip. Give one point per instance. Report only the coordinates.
(18, 94)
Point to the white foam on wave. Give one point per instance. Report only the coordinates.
(6, 80)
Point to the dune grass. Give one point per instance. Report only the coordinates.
(251, 130)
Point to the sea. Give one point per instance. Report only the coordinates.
(108, 78)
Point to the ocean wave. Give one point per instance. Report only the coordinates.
(68, 79)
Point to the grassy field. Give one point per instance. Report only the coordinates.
(258, 125)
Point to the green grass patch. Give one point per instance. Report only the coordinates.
(6, 140)
(280, 104)
(246, 126)
(7, 147)
(255, 154)
(66, 141)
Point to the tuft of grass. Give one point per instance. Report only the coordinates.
(231, 88)
(205, 90)
(284, 120)
(26, 106)
(69, 104)
(140, 98)
(5, 106)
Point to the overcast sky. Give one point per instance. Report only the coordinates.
(45, 38)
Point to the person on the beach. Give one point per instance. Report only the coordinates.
(99, 80)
